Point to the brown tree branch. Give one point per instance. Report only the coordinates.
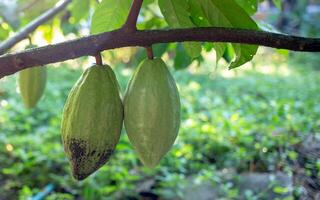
(90, 45)
(23, 33)
(131, 23)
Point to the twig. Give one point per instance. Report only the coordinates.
(131, 23)
(23, 33)
(90, 45)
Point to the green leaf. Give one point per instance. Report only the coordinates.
(244, 53)
(200, 20)
(229, 53)
(110, 15)
(159, 49)
(176, 15)
(222, 14)
(193, 49)
(181, 60)
(197, 15)
(147, 2)
(250, 6)
(208, 46)
(220, 48)
(4, 31)
(153, 23)
(280, 190)
(277, 3)
(80, 9)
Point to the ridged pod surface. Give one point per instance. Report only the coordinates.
(32, 82)
(152, 111)
(92, 121)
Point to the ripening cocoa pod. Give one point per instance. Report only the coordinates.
(152, 111)
(32, 82)
(92, 121)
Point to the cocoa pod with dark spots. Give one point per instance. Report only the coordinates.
(92, 121)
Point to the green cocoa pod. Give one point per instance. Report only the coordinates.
(32, 82)
(152, 111)
(92, 121)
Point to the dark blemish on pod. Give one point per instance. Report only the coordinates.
(105, 157)
(80, 177)
(79, 156)
(77, 148)
(93, 152)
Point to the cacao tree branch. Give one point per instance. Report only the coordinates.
(93, 44)
(131, 23)
(23, 33)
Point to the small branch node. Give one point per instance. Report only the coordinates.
(131, 23)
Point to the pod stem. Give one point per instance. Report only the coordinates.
(98, 58)
(30, 40)
(150, 52)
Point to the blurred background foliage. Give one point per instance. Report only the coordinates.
(251, 120)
